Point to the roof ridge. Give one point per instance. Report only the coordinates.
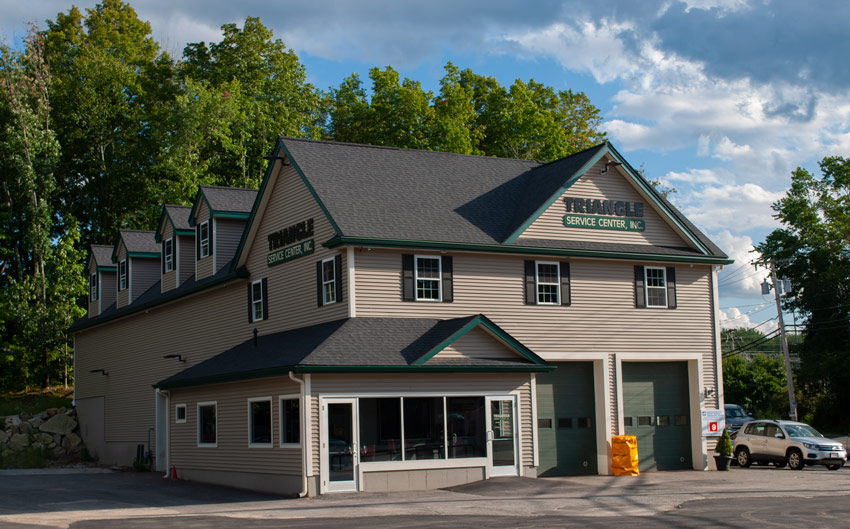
(597, 146)
(177, 206)
(228, 188)
(406, 149)
(127, 230)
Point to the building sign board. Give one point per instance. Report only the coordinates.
(281, 243)
(713, 423)
(290, 252)
(599, 214)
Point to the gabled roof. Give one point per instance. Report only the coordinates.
(364, 345)
(137, 243)
(224, 202)
(102, 255)
(178, 216)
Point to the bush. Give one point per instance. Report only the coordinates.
(724, 445)
(28, 458)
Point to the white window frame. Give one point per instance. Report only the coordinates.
(646, 286)
(254, 302)
(252, 444)
(325, 300)
(198, 429)
(202, 239)
(94, 290)
(280, 399)
(178, 420)
(537, 282)
(122, 275)
(169, 256)
(439, 278)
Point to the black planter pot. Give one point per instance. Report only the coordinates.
(722, 462)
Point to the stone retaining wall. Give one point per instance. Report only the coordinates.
(55, 430)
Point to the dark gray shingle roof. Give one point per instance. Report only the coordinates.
(140, 241)
(102, 255)
(230, 199)
(350, 342)
(179, 216)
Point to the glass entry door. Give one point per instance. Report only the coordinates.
(502, 453)
(339, 445)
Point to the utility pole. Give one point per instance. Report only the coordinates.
(783, 339)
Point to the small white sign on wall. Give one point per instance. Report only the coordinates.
(713, 423)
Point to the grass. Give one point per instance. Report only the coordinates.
(29, 458)
(35, 400)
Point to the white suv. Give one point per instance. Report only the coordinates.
(787, 442)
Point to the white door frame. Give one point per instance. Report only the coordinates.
(326, 485)
(161, 439)
(493, 471)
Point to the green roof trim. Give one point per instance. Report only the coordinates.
(312, 191)
(522, 250)
(146, 255)
(106, 268)
(174, 230)
(195, 203)
(240, 273)
(319, 369)
(229, 214)
(485, 322)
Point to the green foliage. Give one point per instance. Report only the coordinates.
(724, 444)
(758, 385)
(34, 402)
(27, 458)
(812, 249)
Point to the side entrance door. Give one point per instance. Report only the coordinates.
(502, 445)
(339, 445)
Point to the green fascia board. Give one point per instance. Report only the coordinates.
(115, 248)
(106, 268)
(184, 232)
(231, 276)
(483, 321)
(561, 190)
(145, 255)
(312, 191)
(174, 230)
(195, 203)
(229, 214)
(523, 250)
(319, 369)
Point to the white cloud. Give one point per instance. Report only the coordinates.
(726, 149)
(740, 279)
(693, 176)
(733, 318)
(732, 206)
(724, 6)
(703, 145)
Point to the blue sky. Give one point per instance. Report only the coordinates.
(721, 99)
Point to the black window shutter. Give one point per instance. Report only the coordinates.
(408, 292)
(250, 305)
(197, 242)
(530, 287)
(338, 276)
(448, 279)
(566, 298)
(162, 257)
(320, 298)
(640, 291)
(265, 300)
(210, 235)
(671, 287)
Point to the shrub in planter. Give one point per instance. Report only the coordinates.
(724, 451)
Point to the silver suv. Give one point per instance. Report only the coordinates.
(787, 442)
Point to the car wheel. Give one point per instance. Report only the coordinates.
(779, 464)
(795, 459)
(833, 467)
(742, 455)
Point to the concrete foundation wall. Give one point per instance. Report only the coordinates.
(268, 483)
(404, 480)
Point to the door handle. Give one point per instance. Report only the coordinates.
(490, 435)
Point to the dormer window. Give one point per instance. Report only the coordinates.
(204, 238)
(122, 274)
(93, 287)
(168, 255)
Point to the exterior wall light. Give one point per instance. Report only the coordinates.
(101, 371)
(178, 357)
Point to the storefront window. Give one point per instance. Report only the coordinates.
(380, 429)
(423, 428)
(466, 427)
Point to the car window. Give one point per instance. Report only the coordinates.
(770, 430)
(756, 428)
(735, 413)
(802, 430)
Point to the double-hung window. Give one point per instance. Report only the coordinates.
(207, 428)
(122, 274)
(656, 287)
(257, 300)
(204, 239)
(168, 254)
(260, 421)
(548, 283)
(290, 420)
(93, 287)
(428, 276)
(328, 281)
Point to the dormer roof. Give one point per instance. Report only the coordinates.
(178, 216)
(102, 255)
(137, 243)
(224, 202)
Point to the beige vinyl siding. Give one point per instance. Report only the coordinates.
(439, 385)
(205, 266)
(228, 233)
(186, 257)
(146, 272)
(292, 286)
(131, 350)
(232, 452)
(608, 186)
(169, 279)
(477, 343)
(107, 289)
(122, 296)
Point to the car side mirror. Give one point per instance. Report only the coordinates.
(749, 415)
(779, 435)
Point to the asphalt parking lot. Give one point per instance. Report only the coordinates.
(742, 497)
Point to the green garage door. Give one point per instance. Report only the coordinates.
(566, 420)
(656, 410)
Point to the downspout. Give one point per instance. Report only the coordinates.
(304, 439)
(167, 433)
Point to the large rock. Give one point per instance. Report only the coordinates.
(12, 421)
(73, 440)
(3, 436)
(19, 441)
(59, 423)
(51, 412)
(35, 422)
(26, 427)
(44, 438)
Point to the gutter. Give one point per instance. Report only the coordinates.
(304, 438)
